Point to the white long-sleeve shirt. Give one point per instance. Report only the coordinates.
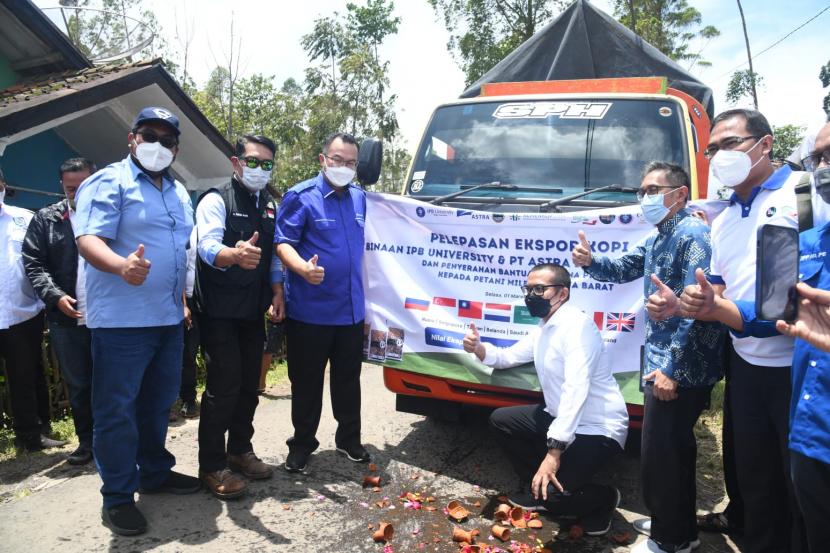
(18, 301)
(579, 390)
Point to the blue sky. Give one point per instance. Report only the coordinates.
(423, 74)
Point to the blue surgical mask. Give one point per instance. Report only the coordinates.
(654, 210)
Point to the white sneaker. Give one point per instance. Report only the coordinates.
(651, 546)
(643, 526)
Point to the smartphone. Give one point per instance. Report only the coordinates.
(776, 273)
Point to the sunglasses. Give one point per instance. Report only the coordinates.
(253, 163)
(151, 137)
(812, 161)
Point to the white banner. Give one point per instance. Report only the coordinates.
(430, 271)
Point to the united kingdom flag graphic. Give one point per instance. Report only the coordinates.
(620, 322)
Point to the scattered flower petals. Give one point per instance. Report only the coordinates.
(285, 507)
(321, 498)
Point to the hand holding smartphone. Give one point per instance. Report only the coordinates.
(776, 273)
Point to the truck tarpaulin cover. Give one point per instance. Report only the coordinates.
(585, 43)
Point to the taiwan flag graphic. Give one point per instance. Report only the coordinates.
(620, 322)
(469, 309)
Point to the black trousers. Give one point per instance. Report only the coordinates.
(760, 406)
(73, 348)
(734, 510)
(310, 347)
(20, 349)
(668, 459)
(811, 480)
(187, 391)
(233, 353)
(521, 431)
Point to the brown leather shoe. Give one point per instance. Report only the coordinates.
(250, 465)
(223, 483)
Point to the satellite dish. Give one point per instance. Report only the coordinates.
(103, 36)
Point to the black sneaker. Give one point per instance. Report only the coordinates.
(81, 456)
(189, 410)
(177, 484)
(356, 453)
(599, 523)
(296, 461)
(526, 501)
(125, 520)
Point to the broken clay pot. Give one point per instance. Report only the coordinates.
(384, 532)
(502, 512)
(501, 532)
(534, 523)
(461, 535)
(457, 511)
(517, 517)
(371, 481)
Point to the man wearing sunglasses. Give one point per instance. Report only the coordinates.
(133, 225)
(682, 357)
(557, 446)
(235, 285)
(758, 384)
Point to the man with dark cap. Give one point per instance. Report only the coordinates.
(134, 223)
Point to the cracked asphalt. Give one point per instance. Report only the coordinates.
(48, 505)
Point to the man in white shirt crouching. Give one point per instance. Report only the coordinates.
(583, 421)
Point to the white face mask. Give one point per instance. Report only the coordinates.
(255, 179)
(732, 167)
(2, 196)
(339, 176)
(153, 156)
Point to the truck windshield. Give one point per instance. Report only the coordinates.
(546, 149)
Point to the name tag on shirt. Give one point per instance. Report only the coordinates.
(235, 214)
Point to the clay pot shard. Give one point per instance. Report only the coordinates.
(461, 535)
(372, 481)
(517, 517)
(501, 532)
(534, 523)
(384, 532)
(502, 512)
(457, 511)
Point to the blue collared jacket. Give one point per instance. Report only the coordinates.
(688, 351)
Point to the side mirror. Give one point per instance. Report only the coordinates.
(369, 161)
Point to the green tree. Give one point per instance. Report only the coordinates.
(743, 84)
(671, 26)
(787, 139)
(824, 75)
(483, 32)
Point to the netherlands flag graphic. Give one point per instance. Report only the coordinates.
(497, 312)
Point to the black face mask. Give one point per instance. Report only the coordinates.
(537, 305)
(821, 177)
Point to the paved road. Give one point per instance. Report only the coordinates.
(48, 505)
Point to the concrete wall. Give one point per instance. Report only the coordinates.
(34, 163)
(7, 76)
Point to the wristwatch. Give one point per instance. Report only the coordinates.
(557, 444)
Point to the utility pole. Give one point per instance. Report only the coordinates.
(749, 57)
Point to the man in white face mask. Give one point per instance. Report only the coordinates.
(132, 227)
(320, 241)
(235, 285)
(757, 399)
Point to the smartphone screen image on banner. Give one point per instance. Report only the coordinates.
(776, 273)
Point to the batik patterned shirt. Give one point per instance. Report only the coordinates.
(685, 350)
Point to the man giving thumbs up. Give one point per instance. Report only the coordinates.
(682, 356)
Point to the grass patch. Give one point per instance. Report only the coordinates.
(277, 374)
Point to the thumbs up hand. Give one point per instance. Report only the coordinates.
(698, 300)
(247, 255)
(662, 304)
(135, 268)
(581, 254)
(472, 342)
(314, 273)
